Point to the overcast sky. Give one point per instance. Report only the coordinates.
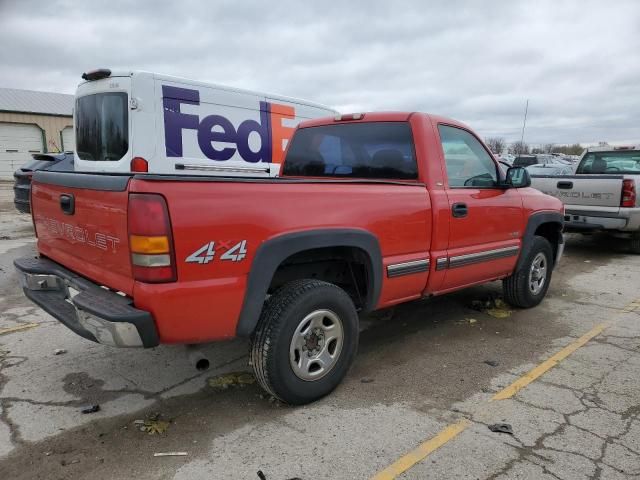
(578, 62)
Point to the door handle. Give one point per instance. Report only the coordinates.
(565, 185)
(459, 210)
(67, 204)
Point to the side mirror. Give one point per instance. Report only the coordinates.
(518, 177)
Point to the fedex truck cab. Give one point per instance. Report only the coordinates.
(145, 122)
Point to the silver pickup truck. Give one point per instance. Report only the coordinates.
(602, 195)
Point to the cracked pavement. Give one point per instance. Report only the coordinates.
(420, 367)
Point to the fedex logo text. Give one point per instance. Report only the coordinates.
(219, 129)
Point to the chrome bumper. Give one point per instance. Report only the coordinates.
(623, 219)
(87, 309)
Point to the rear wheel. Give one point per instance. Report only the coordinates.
(528, 285)
(305, 341)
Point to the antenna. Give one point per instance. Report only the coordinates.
(524, 123)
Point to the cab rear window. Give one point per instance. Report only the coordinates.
(610, 162)
(102, 126)
(381, 150)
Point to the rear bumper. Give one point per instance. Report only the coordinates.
(99, 315)
(623, 219)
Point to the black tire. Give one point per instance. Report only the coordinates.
(280, 319)
(517, 290)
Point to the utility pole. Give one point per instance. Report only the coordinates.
(524, 124)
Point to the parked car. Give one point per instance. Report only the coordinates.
(538, 159)
(524, 160)
(59, 162)
(602, 195)
(554, 169)
(507, 158)
(370, 211)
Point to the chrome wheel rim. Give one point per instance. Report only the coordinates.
(316, 345)
(538, 273)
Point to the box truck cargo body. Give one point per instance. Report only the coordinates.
(141, 121)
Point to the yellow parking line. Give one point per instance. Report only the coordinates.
(423, 450)
(4, 331)
(408, 460)
(548, 364)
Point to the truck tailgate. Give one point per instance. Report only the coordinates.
(81, 223)
(582, 190)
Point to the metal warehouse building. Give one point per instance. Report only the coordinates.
(32, 122)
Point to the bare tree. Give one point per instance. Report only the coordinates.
(495, 144)
(575, 149)
(548, 147)
(519, 148)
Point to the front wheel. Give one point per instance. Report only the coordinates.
(305, 341)
(528, 285)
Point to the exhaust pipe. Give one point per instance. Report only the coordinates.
(197, 358)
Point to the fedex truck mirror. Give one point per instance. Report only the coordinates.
(217, 129)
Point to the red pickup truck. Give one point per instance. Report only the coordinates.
(370, 210)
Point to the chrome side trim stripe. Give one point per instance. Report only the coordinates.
(442, 263)
(407, 268)
(471, 258)
(221, 168)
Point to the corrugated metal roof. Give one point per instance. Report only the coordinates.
(30, 101)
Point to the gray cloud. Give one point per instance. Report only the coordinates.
(577, 62)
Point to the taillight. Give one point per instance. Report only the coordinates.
(150, 241)
(139, 164)
(628, 193)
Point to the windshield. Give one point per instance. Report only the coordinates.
(610, 162)
(102, 131)
(362, 150)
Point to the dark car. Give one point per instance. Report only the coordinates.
(539, 159)
(525, 160)
(60, 162)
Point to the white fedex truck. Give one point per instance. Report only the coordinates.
(145, 122)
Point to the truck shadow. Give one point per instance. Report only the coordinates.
(596, 246)
(444, 349)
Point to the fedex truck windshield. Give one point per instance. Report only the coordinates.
(102, 126)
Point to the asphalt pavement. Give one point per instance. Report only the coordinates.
(430, 378)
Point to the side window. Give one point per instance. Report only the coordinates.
(468, 163)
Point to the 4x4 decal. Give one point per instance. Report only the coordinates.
(207, 252)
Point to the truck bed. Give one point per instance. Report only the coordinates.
(224, 212)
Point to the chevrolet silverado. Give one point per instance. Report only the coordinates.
(369, 211)
(602, 194)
